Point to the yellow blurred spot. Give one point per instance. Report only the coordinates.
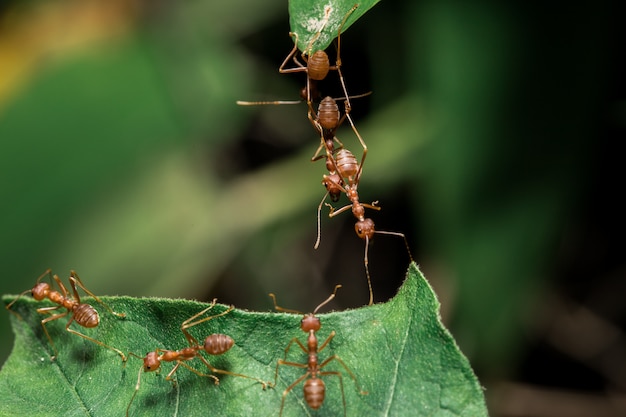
(33, 37)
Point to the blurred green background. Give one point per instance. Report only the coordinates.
(494, 132)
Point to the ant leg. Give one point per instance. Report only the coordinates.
(338, 60)
(84, 336)
(334, 212)
(284, 310)
(290, 387)
(49, 319)
(406, 243)
(336, 139)
(319, 222)
(295, 339)
(168, 377)
(317, 156)
(137, 385)
(63, 288)
(223, 372)
(190, 321)
(372, 206)
(286, 363)
(358, 135)
(312, 119)
(48, 273)
(76, 281)
(338, 374)
(328, 339)
(216, 380)
(338, 359)
(292, 54)
(367, 270)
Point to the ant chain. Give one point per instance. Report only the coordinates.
(347, 180)
(341, 164)
(83, 314)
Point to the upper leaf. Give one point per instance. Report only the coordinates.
(399, 352)
(317, 23)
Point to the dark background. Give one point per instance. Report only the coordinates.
(495, 135)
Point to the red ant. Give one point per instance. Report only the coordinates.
(316, 66)
(214, 344)
(83, 314)
(328, 118)
(349, 172)
(314, 388)
(326, 122)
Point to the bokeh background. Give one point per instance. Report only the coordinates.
(494, 130)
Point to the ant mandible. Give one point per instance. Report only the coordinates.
(83, 314)
(214, 344)
(314, 388)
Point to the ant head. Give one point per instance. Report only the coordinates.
(318, 65)
(40, 291)
(334, 195)
(310, 322)
(151, 362)
(365, 228)
(315, 93)
(333, 185)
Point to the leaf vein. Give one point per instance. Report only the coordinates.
(397, 361)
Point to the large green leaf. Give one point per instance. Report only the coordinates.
(399, 351)
(316, 23)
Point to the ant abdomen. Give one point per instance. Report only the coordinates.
(347, 164)
(318, 66)
(216, 344)
(328, 113)
(314, 392)
(86, 316)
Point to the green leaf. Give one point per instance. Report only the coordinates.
(316, 23)
(399, 351)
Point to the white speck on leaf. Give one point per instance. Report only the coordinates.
(317, 25)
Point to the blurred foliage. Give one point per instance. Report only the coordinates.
(125, 158)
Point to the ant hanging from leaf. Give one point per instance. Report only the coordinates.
(316, 67)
